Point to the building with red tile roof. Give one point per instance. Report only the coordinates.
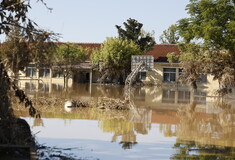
(160, 51)
(162, 72)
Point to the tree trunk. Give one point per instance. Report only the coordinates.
(12, 130)
(66, 81)
(5, 106)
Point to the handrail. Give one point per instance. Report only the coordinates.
(129, 81)
(133, 74)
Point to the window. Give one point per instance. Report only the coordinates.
(184, 97)
(169, 74)
(44, 72)
(168, 96)
(203, 78)
(148, 62)
(58, 74)
(30, 71)
(142, 75)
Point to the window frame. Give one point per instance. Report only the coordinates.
(167, 75)
(44, 72)
(30, 71)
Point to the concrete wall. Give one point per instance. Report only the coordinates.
(155, 77)
(48, 79)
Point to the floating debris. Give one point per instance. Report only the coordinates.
(53, 104)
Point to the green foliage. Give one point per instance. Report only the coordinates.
(42, 48)
(14, 13)
(212, 21)
(19, 8)
(172, 57)
(170, 36)
(16, 54)
(70, 54)
(209, 39)
(14, 17)
(67, 56)
(114, 58)
(133, 31)
(193, 68)
(96, 56)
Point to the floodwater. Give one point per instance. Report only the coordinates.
(166, 123)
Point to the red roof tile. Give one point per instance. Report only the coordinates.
(89, 45)
(160, 51)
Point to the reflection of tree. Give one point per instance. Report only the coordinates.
(142, 128)
(121, 128)
(216, 129)
(128, 145)
(38, 122)
(191, 151)
(141, 118)
(201, 134)
(125, 127)
(167, 129)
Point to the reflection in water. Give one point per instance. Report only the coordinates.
(168, 96)
(198, 134)
(142, 96)
(190, 150)
(38, 122)
(200, 128)
(214, 129)
(183, 96)
(120, 128)
(209, 137)
(127, 127)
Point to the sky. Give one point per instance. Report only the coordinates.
(91, 21)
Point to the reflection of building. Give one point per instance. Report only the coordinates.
(183, 96)
(169, 97)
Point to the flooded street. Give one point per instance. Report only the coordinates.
(166, 123)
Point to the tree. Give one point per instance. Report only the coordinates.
(15, 52)
(208, 36)
(170, 36)
(133, 31)
(114, 59)
(42, 48)
(67, 56)
(15, 130)
(212, 21)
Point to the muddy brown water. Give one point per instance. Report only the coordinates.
(164, 124)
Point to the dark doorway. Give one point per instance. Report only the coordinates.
(81, 77)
